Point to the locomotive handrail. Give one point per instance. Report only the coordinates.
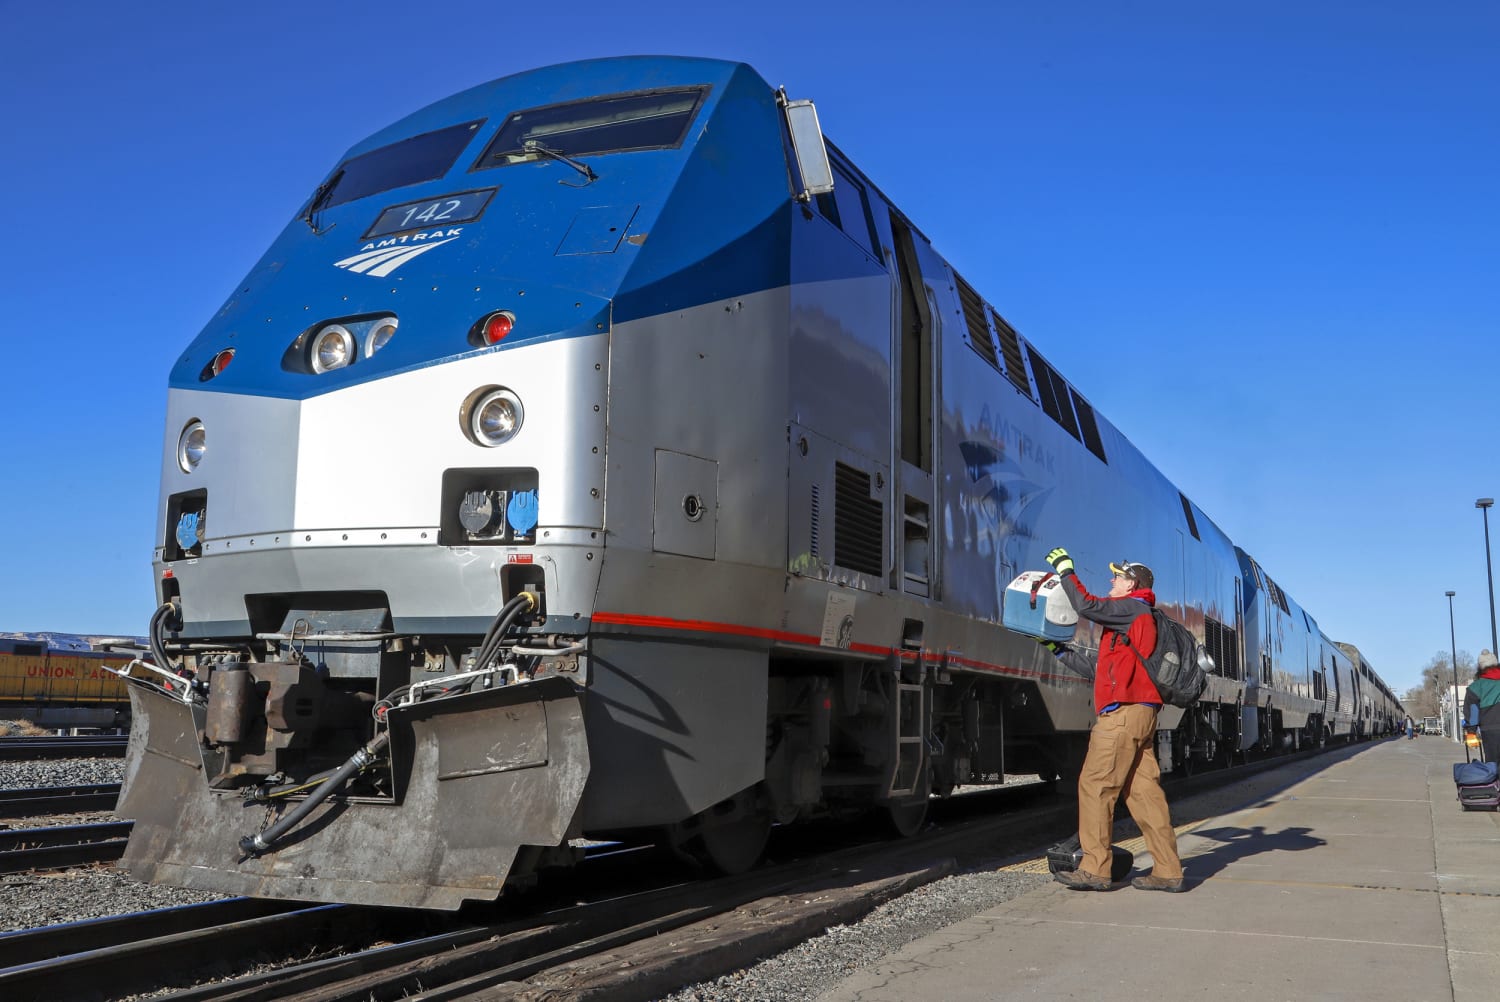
(374, 635)
(544, 652)
(413, 694)
(178, 688)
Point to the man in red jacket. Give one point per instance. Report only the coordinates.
(1122, 745)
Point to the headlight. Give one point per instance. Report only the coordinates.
(332, 348)
(496, 417)
(381, 332)
(191, 445)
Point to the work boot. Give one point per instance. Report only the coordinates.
(1081, 880)
(1152, 882)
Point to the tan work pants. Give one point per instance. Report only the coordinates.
(1122, 758)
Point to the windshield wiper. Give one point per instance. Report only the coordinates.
(532, 146)
(319, 197)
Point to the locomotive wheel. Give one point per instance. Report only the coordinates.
(735, 846)
(905, 817)
(728, 837)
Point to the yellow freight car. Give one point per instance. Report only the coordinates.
(61, 683)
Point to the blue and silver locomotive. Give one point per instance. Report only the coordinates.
(599, 451)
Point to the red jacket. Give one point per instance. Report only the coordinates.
(1119, 676)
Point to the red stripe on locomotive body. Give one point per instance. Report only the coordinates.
(808, 640)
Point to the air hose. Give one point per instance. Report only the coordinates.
(254, 845)
(158, 625)
(509, 612)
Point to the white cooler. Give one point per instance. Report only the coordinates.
(1037, 605)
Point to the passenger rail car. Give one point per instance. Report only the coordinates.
(61, 682)
(599, 450)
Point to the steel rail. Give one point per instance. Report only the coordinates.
(152, 961)
(93, 746)
(29, 946)
(43, 800)
(62, 846)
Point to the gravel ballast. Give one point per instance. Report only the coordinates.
(31, 900)
(821, 963)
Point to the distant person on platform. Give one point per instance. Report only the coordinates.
(1122, 744)
(1411, 730)
(1484, 694)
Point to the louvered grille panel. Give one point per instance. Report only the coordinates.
(1222, 645)
(857, 521)
(1211, 641)
(816, 518)
(979, 331)
(1010, 348)
(1232, 667)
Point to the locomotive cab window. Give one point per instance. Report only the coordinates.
(846, 208)
(653, 120)
(411, 161)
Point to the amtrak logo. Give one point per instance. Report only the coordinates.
(381, 258)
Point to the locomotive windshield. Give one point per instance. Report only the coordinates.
(655, 120)
(420, 158)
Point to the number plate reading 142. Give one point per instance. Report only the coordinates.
(441, 211)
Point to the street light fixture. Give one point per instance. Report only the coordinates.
(1453, 644)
(1483, 504)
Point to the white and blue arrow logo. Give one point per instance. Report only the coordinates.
(384, 260)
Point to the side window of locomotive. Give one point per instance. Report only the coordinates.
(619, 123)
(411, 161)
(847, 208)
(1053, 391)
(1063, 405)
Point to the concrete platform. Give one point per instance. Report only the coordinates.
(1357, 876)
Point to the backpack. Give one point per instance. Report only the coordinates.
(1179, 665)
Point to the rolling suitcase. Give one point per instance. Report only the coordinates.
(1478, 781)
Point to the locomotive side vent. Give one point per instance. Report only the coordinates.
(857, 521)
(979, 330)
(815, 517)
(1222, 645)
(1010, 347)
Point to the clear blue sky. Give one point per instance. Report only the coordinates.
(1290, 205)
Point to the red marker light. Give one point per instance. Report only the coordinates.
(167, 574)
(497, 326)
(216, 365)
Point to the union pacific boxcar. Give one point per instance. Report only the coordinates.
(61, 681)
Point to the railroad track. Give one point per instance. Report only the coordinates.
(83, 746)
(63, 846)
(129, 954)
(44, 800)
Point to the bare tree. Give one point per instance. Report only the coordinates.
(1420, 701)
(1438, 678)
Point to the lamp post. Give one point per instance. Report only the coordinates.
(1483, 504)
(1453, 644)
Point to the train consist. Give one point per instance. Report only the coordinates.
(599, 451)
(62, 681)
